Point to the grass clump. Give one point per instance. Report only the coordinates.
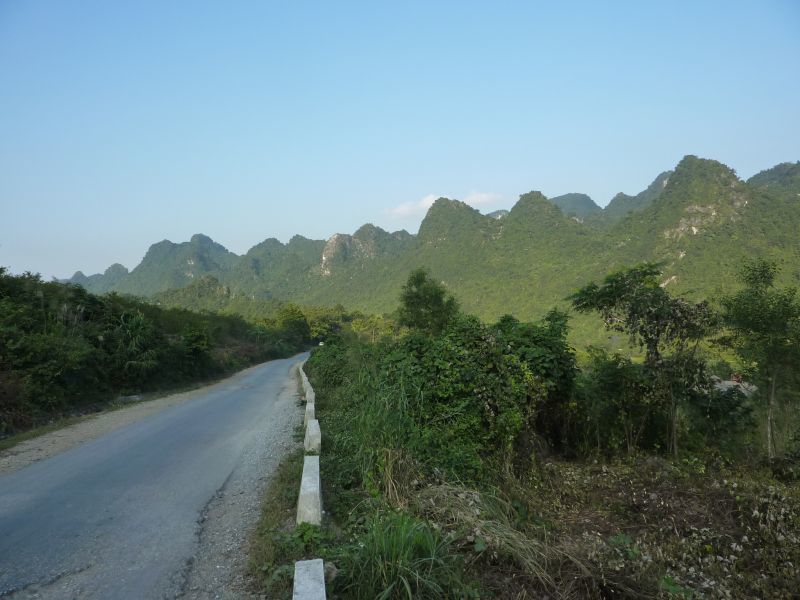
(397, 556)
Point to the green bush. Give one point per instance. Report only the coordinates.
(460, 402)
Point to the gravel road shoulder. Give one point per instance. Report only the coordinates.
(219, 568)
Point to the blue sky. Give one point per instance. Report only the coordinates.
(122, 124)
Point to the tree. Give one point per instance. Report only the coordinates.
(293, 326)
(425, 304)
(764, 326)
(632, 301)
(373, 327)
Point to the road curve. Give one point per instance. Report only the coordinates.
(121, 516)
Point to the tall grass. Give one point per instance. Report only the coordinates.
(399, 557)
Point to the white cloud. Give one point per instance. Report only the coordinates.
(478, 198)
(413, 209)
(416, 209)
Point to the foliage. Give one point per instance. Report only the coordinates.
(64, 350)
(614, 408)
(632, 301)
(455, 432)
(292, 322)
(425, 305)
(764, 325)
(638, 528)
(373, 327)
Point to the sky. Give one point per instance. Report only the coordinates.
(125, 123)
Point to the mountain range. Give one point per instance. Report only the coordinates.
(699, 220)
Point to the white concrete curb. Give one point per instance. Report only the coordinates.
(310, 414)
(309, 580)
(313, 441)
(309, 575)
(309, 502)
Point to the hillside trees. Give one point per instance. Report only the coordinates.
(764, 326)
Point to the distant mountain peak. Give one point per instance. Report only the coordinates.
(201, 238)
(577, 205)
(449, 220)
(116, 270)
(703, 166)
(368, 242)
(534, 201)
(368, 231)
(783, 178)
(622, 204)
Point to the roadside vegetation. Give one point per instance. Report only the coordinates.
(65, 352)
(462, 459)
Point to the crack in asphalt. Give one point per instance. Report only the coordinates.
(37, 587)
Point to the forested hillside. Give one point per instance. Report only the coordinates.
(700, 220)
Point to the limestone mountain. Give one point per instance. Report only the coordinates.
(167, 265)
(273, 269)
(705, 224)
(700, 220)
(101, 284)
(366, 244)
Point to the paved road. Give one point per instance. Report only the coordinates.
(120, 516)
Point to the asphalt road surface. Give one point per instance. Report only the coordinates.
(122, 516)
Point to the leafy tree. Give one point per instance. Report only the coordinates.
(615, 406)
(632, 301)
(764, 324)
(324, 322)
(425, 304)
(544, 349)
(294, 326)
(372, 327)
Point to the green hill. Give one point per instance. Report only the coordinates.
(700, 220)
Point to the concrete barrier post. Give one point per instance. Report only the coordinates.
(309, 580)
(310, 413)
(309, 503)
(313, 441)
